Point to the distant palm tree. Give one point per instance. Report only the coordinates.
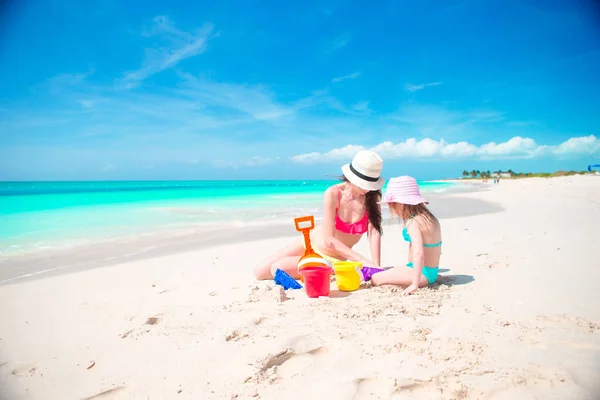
(465, 173)
(473, 173)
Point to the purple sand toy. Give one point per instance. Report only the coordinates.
(284, 279)
(368, 272)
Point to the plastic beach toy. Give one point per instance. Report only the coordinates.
(348, 275)
(313, 269)
(282, 278)
(310, 257)
(368, 272)
(316, 280)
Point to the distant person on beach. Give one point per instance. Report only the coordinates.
(421, 229)
(351, 209)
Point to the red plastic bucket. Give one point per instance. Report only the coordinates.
(316, 280)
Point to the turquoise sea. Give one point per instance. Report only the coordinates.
(41, 215)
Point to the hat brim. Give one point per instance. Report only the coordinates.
(361, 183)
(413, 201)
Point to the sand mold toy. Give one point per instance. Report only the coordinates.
(282, 278)
(368, 272)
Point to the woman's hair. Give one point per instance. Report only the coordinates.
(410, 210)
(371, 199)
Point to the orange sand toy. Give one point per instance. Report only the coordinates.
(310, 257)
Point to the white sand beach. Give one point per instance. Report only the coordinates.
(516, 315)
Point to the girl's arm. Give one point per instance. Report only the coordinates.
(418, 255)
(328, 226)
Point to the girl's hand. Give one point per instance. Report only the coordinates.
(411, 289)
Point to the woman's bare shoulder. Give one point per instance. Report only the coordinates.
(331, 194)
(334, 189)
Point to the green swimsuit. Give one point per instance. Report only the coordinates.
(431, 273)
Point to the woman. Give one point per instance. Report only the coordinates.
(421, 230)
(350, 210)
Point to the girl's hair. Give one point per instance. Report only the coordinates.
(371, 199)
(410, 210)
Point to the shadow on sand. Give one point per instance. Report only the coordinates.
(443, 280)
(454, 280)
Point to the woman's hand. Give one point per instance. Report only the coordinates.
(367, 263)
(411, 289)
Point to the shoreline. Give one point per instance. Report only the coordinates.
(35, 264)
(47, 216)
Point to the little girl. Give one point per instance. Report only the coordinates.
(421, 230)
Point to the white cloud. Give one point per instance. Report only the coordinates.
(353, 75)
(180, 45)
(460, 149)
(415, 88)
(516, 147)
(426, 148)
(577, 145)
(257, 160)
(342, 153)
(255, 101)
(251, 162)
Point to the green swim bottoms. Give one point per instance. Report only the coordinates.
(428, 272)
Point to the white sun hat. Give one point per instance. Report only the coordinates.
(364, 170)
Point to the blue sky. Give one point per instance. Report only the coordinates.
(271, 89)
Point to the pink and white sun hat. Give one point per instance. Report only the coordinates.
(403, 189)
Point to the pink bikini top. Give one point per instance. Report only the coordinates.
(357, 228)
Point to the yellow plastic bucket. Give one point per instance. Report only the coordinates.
(347, 275)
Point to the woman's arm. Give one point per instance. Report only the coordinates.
(328, 226)
(418, 255)
(375, 245)
(375, 240)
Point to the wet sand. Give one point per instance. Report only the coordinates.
(54, 262)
